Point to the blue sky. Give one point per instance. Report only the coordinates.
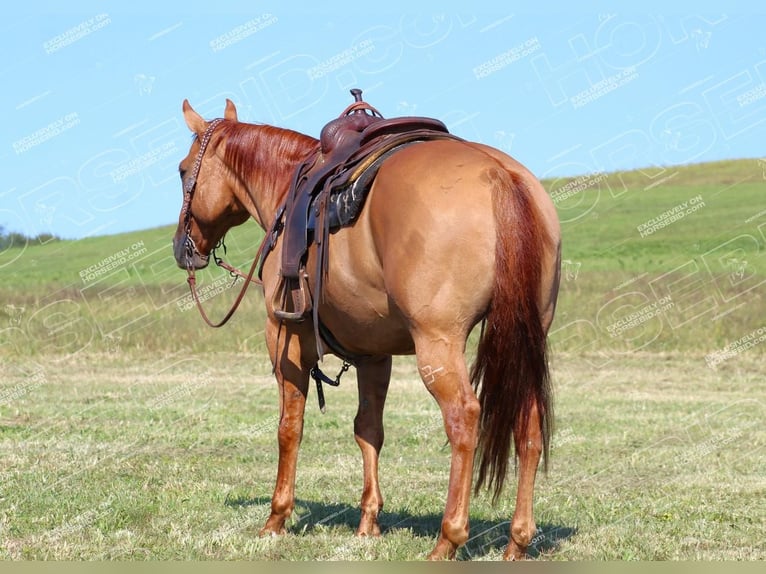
(93, 133)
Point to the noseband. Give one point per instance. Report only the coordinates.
(191, 247)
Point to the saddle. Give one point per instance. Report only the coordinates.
(328, 192)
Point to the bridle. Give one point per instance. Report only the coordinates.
(191, 247)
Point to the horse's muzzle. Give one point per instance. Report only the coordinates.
(186, 253)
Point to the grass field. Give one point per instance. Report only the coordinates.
(130, 430)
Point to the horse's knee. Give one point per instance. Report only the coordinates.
(289, 431)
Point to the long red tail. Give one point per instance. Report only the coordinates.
(511, 368)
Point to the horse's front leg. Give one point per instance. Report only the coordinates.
(293, 353)
(373, 376)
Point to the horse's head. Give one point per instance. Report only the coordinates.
(210, 205)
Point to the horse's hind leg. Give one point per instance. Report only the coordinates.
(523, 524)
(373, 377)
(293, 380)
(442, 367)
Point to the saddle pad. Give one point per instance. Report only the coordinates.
(345, 202)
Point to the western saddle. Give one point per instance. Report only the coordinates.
(327, 193)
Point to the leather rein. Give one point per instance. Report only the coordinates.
(191, 247)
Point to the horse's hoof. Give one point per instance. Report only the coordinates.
(444, 550)
(514, 552)
(271, 530)
(368, 526)
(373, 532)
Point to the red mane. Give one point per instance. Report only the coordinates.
(271, 153)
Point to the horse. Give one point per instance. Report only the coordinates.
(452, 234)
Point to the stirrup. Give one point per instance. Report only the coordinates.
(299, 297)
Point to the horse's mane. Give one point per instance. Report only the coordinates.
(264, 149)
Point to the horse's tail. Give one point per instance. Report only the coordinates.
(511, 368)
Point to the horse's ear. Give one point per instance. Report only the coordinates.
(195, 121)
(230, 113)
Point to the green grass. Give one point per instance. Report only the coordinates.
(602, 229)
(128, 429)
(65, 298)
(659, 458)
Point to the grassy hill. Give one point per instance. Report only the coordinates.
(664, 259)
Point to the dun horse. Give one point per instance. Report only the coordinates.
(452, 233)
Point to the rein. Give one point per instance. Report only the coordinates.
(191, 247)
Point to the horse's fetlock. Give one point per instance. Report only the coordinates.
(522, 533)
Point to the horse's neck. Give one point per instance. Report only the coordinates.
(265, 158)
